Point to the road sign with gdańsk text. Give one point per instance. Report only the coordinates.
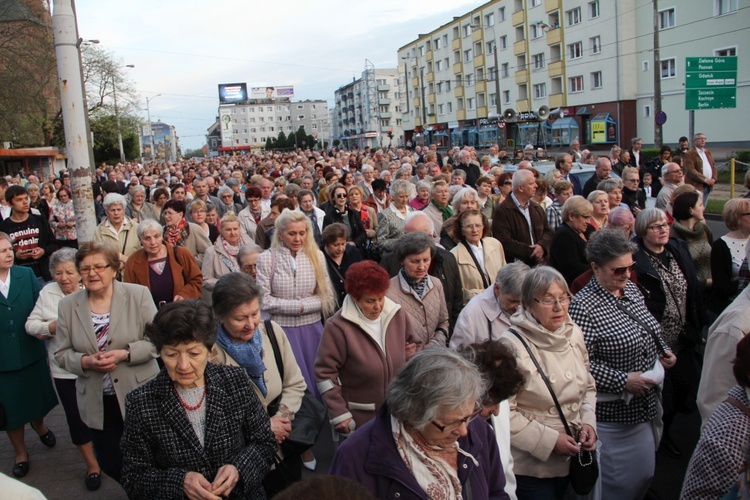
(711, 82)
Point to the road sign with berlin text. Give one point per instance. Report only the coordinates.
(711, 82)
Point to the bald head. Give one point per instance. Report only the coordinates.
(419, 222)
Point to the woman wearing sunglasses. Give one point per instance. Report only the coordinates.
(627, 359)
(338, 211)
(540, 446)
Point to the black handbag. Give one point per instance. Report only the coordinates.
(584, 469)
(309, 419)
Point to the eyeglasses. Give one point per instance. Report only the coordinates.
(631, 180)
(167, 213)
(508, 183)
(98, 269)
(550, 302)
(657, 228)
(341, 195)
(249, 267)
(619, 271)
(198, 211)
(455, 425)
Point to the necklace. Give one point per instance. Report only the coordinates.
(187, 406)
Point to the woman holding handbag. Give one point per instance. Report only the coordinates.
(550, 424)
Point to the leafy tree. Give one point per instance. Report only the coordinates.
(106, 147)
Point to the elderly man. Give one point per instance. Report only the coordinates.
(673, 178)
(472, 170)
(200, 187)
(699, 167)
(602, 173)
(564, 163)
(443, 266)
(520, 224)
(575, 150)
(487, 315)
(266, 189)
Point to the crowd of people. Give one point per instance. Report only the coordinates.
(471, 332)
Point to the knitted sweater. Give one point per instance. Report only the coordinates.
(698, 241)
(429, 315)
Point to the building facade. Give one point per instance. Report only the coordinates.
(368, 110)
(164, 139)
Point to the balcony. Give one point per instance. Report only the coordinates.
(428, 55)
(384, 102)
(431, 98)
(554, 36)
(415, 81)
(459, 91)
(522, 76)
(550, 5)
(456, 44)
(350, 95)
(555, 69)
(556, 101)
(458, 68)
(482, 111)
(522, 105)
(417, 121)
(519, 48)
(384, 88)
(430, 77)
(386, 115)
(479, 61)
(461, 114)
(477, 35)
(480, 86)
(519, 17)
(416, 102)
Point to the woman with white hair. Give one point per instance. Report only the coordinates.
(138, 208)
(117, 229)
(465, 199)
(226, 195)
(391, 220)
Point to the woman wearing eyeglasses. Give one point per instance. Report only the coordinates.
(540, 446)
(627, 359)
(178, 232)
(666, 274)
(100, 339)
(338, 211)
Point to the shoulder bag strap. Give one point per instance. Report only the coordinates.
(738, 404)
(546, 381)
(125, 243)
(275, 345)
(476, 263)
(657, 340)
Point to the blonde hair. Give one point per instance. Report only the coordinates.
(310, 248)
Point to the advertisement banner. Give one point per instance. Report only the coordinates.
(272, 92)
(232, 92)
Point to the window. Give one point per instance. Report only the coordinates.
(467, 55)
(432, 109)
(460, 103)
(449, 107)
(455, 32)
(492, 74)
(478, 49)
(645, 65)
(456, 57)
(469, 80)
(729, 51)
(501, 14)
(421, 50)
(540, 90)
(506, 96)
(447, 85)
(314, 126)
(252, 120)
(503, 42)
(431, 88)
(538, 60)
(647, 111)
(490, 47)
(489, 19)
(445, 44)
(251, 110)
(504, 70)
(522, 93)
(575, 50)
(446, 63)
(537, 31)
(480, 74)
(441, 109)
(300, 117)
(493, 100)
(440, 87)
(575, 84)
(596, 44)
(536, 3)
(459, 80)
(666, 19)
(437, 43)
(467, 30)
(574, 16)
(596, 80)
(270, 129)
(725, 7)
(269, 109)
(594, 9)
(668, 68)
(470, 103)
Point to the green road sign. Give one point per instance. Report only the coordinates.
(711, 82)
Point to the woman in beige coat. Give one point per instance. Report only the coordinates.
(479, 255)
(541, 448)
(221, 258)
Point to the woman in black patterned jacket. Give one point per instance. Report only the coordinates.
(197, 430)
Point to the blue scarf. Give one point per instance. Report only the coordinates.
(248, 354)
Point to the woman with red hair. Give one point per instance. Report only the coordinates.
(363, 346)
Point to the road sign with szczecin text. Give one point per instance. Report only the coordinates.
(711, 82)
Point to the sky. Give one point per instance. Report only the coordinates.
(183, 50)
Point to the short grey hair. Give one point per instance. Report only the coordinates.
(462, 195)
(539, 280)
(399, 186)
(609, 185)
(148, 225)
(608, 244)
(114, 199)
(593, 194)
(666, 166)
(575, 205)
(231, 182)
(418, 214)
(138, 189)
(427, 184)
(459, 173)
(510, 278)
(225, 189)
(414, 243)
(434, 381)
(647, 217)
(63, 256)
(367, 168)
(634, 140)
(247, 250)
(520, 177)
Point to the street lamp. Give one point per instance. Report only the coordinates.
(497, 74)
(150, 132)
(117, 115)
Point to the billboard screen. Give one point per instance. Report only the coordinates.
(232, 92)
(272, 92)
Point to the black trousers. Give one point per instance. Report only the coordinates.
(107, 441)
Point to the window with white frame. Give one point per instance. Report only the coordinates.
(478, 48)
(449, 107)
(493, 100)
(506, 96)
(469, 80)
(460, 104)
(501, 14)
(668, 68)
(467, 30)
(439, 87)
(446, 63)
(540, 90)
(574, 16)
(536, 3)
(647, 111)
(522, 92)
(445, 40)
(596, 80)
(480, 74)
(467, 55)
(723, 7)
(492, 74)
(490, 46)
(536, 31)
(666, 19)
(538, 60)
(421, 50)
(728, 51)
(645, 65)
(441, 109)
(447, 85)
(575, 50)
(505, 70)
(481, 100)
(575, 84)
(503, 42)
(438, 65)
(456, 56)
(596, 44)
(594, 9)
(489, 19)
(470, 103)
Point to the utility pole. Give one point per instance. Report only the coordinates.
(75, 119)
(117, 115)
(657, 77)
(150, 132)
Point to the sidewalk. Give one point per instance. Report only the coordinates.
(57, 472)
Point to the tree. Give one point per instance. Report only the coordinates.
(106, 147)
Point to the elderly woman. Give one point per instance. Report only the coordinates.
(243, 340)
(101, 340)
(420, 296)
(485, 198)
(338, 212)
(339, 257)
(247, 259)
(62, 219)
(439, 208)
(690, 227)
(198, 211)
(138, 208)
(600, 209)
(391, 220)
(226, 195)
(622, 218)
(613, 188)
(627, 360)
(306, 205)
(488, 314)
(728, 252)
(255, 211)
(466, 199)
(42, 324)
(718, 466)
(26, 391)
(426, 437)
(363, 346)
(542, 330)
(221, 258)
(117, 229)
(170, 273)
(633, 196)
(197, 430)
(667, 277)
(422, 200)
(297, 293)
(178, 232)
(479, 255)
(378, 199)
(568, 248)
